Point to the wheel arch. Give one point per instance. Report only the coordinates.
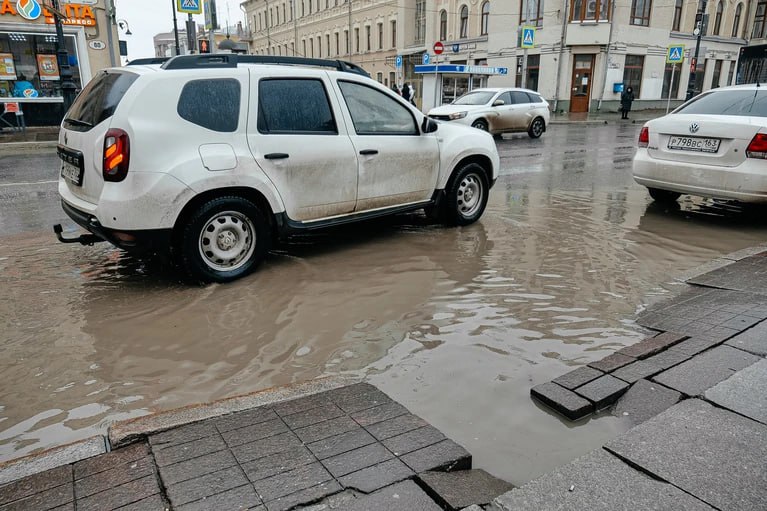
(480, 159)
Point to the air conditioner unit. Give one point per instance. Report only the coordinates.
(591, 9)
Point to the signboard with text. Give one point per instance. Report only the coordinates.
(7, 67)
(48, 68)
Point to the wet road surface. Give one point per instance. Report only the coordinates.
(457, 324)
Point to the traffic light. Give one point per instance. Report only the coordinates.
(203, 46)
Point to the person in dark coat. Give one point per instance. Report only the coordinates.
(406, 92)
(627, 97)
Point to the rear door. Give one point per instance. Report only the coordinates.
(300, 142)
(81, 139)
(522, 110)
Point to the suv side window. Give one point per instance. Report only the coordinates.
(519, 97)
(294, 106)
(506, 98)
(213, 104)
(376, 113)
(535, 98)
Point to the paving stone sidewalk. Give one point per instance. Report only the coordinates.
(347, 448)
(696, 391)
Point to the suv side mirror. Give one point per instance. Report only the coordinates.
(499, 102)
(429, 125)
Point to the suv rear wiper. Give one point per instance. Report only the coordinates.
(78, 122)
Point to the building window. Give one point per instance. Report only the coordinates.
(303, 8)
(347, 42)
(393, 34)
(303, 42)
(284, 14)
(717, 74)
(531, 12)
(443, 25)
(632, 73)
(338, 48)
(533, 67)
(640, 12)
(731, 73)
(420, 21)
(310, 6)
(590, 10)
(677, 16)
(759, 18)
(464, 22)
(311, 46)
(379, 77)
(380, 36)
(718, 18)
(356, 40)
(667, 81)
(327, 44)
(485, 21)
(736, 21)
(367, 37)
(392, 79)
(700, 75)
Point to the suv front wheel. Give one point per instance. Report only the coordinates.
(225, 239)
(466, 196)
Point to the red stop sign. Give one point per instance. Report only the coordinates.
(439, 48)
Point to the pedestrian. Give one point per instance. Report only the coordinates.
(411, 95)
(627, 97)
(405, 92)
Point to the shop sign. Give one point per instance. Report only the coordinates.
(76, 13)
(7, 67)
(48, 68)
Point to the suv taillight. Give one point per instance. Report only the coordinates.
(644, 137)
(116, 155)
(758, 147)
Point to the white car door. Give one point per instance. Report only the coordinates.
(397, 164)
(522, 111)
(303, 147)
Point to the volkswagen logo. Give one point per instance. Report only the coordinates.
(694, 127)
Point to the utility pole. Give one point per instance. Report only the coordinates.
(175, 26)
(700, 22)
(350, 29)
(191, 34)
(295, 26)
(523, 82)
(68, 87)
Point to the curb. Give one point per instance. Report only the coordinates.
(12, 148)
(597, 121)
(28, 465)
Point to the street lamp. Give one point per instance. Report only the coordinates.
(68, 87)
(124, 26)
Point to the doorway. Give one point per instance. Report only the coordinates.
(580, 92)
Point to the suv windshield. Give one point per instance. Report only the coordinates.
(98, 100)
(742, 102)
(475, 98)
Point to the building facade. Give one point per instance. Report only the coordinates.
(29, 72)
(583, 51)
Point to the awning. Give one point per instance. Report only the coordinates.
(461, 69)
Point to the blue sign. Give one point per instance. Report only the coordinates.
(426, 58)
(528, 37)
(456, 48)
(675, 54)
(398, 61)
(460, 69)
(189, 6)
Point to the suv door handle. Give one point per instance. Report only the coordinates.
(368, 152)
(276, 156)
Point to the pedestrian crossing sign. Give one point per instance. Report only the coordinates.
(189, 6)
(675, 54)
(528, 37)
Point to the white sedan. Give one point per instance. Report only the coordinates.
(498, 111)
(714, 146)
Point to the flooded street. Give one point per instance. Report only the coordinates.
(457, 324)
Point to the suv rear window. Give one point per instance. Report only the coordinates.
(98, 100)
(728, 102)
(213, 104)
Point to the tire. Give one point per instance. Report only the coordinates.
(480, 124)
(663, 196)
(469, 181)
(225, 239)
(537, 127)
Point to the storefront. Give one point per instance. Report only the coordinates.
(443, 83)
(29, 70)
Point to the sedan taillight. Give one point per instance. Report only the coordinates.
(116, 155)
(644, 137)
(758, 147)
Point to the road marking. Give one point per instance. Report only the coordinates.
(30, 183)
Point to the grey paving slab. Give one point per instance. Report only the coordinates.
(241, 498)
(745, 392)
(57, 457)
(319, 414)
(713, 454)
(47, 499)
(705, 370)
(357, 459)
(413, 440)
(278, 463)
(182, 435)
(310, 494)
(669, 358)
(290, 482)
(196, 467)
(380, 413)
(205, 486)
(110, 460)
(753, 340)
(378, 476)
(119, 496)
(561, 400)
(358, 397)
(704, 268)
(241, 419)
(254, 432)
(446, 456)
(302, 404)
(651, 345)
(577, 377)
(193, 449)
(151, 503)
(396, 426)
(612, 362)
(405, 495)
(463, 488)
(597, 481)
(116, 476)
(36, 483)
(637, 370)
(748, 274)
(266, 446)
(644, 400)
(603, 391)
(342, 443)
(694, 345)
(327, 429)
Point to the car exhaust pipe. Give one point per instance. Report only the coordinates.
(83, 239)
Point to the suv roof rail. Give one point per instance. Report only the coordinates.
(148, 61)
(228, 60)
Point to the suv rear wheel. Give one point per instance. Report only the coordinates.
(466, 196)
(225, 239)
(663, 196)
(537, 127)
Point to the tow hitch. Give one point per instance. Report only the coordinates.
(83, 239)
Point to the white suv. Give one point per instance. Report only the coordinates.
(212, 157)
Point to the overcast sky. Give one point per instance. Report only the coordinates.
(149, 17)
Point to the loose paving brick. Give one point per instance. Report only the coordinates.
(110, 460)
(745, 392)
(694, 345)
(342, 443)
(266, 446)
(240, 498)
(577, 377)
(119, 496)
(114, 477)
(153, 503)
(644, 400)
(46, 499)
(242, 419)
(254, 432)
(396, 426)
(292, 481)
(205, 486)
(378, 476)
(458, 490)
(446, 456)
(563, 401)
(358, 397)
(612, 362)
(401, 496)
(182, 435)
(705, 370)
(278, 463)
(753, 340)
(651, 345)
(194, 449)
(196, 467)
(36, 483)
(327, 429)
(380, 413)
(636, 371)
(414, 440)
(673, 445)
(357, 459)
(311, 494)
(319, 414)
(669, 358)
(301, 404)
(603, 391)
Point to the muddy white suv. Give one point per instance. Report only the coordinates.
(212, 157)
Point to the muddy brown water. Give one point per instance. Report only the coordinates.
(457, 324)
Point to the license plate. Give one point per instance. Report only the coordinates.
(696, 144)
(71, 166)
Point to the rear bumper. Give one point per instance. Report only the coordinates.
(142, 241)
(746, 182)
